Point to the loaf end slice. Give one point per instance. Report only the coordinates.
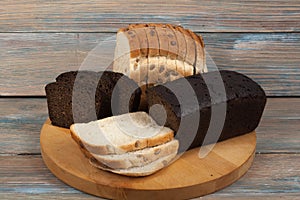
(83, 96)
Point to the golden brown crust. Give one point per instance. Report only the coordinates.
(173, 43)
(163, 41)
(168, 50)
(180, 42)
(160, 140)
(190, 46)
(199, 57)
(133, 42)
(140, 144)
(153, 43)
(134, 26)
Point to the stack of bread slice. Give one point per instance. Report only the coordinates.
(131, 144)
(157, 53)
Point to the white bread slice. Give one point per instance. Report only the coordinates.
(153, 43)
(142, 68)
(153, 73)
(190, 46)
(166, 35)
(182, 46)
(205, 70)
(127, 52)
(138, 158)
(120, 134)
(181, 43)
(168, 61)
(199, 62)
(141, 33)
(173, 44)
(162, 39)
(138, 171)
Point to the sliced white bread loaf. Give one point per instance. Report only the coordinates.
(138, 158)
(158, 36)
(145, 170)
(120, 134)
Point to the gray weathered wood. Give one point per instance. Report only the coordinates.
(21, 121)
(30, 61)
(106, 15)
(270, 175)
(20, 124)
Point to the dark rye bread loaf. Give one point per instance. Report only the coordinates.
(244, 99)
(86, 96)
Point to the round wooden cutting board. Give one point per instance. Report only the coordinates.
(187, 177)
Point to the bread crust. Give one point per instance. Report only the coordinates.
(133, 42)
(190, 46)
(186, 53)
(153, 43)
(138, 171)
(138, 158)
(199, 59)
(136, 145)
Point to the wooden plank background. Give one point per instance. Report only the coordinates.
(108, 15)
(271, 59)
(40, 39)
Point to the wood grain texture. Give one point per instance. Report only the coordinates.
(271, 175)
(30, 61)
(99, 16)
(21, 121)
(189, 176)
(217, 196)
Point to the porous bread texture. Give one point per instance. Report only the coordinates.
(180, 50)
(120, 134)
(131, 144)
(138, 171)
(138, 158)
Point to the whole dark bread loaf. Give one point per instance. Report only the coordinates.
(244, 100)
(83, 96)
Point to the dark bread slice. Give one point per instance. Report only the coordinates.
(90, 96)
(245, 101)
(60, 106)
(107, 82)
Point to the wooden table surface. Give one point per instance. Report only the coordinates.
(41, 39)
